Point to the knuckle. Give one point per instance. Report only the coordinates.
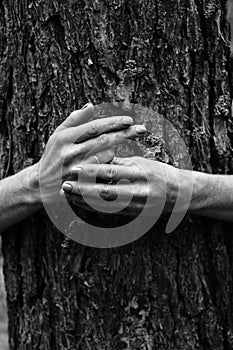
(110, 173)
(115, 125)
(102, 139)
(127, 162)
(128, 133)
(118, 161)
(112, 124)
(107, 193)
(92, 128)
(72, 114)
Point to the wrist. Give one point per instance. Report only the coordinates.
(173, 187)
(183, 187)
(33, 185)
(194, 186)
(201, 191)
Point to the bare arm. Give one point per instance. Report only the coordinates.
(19, 197)
(201, 194)
(75, 141)
(212, 195)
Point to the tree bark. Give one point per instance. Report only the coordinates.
(163, 291)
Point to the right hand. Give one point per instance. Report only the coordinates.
(80, 141)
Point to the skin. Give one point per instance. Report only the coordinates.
(76, 141)
(73, 148)
(211, 195)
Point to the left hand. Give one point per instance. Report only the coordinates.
(77, 141)
(145, 182)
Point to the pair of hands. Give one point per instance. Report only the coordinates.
(78, 152)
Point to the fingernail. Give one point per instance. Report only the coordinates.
(86, 105)
(77, 170)
(67, 187)
(140, 129)
(127, 121)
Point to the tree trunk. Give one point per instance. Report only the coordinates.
(164, 291)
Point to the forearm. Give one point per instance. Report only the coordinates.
(212, 195)
(19, 197)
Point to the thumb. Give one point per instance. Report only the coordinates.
(78, 117)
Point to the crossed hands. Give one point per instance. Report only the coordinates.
(80, 152)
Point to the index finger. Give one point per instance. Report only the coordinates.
(96, 127)
(78, 117)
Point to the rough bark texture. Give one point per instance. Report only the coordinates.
(164, 291)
